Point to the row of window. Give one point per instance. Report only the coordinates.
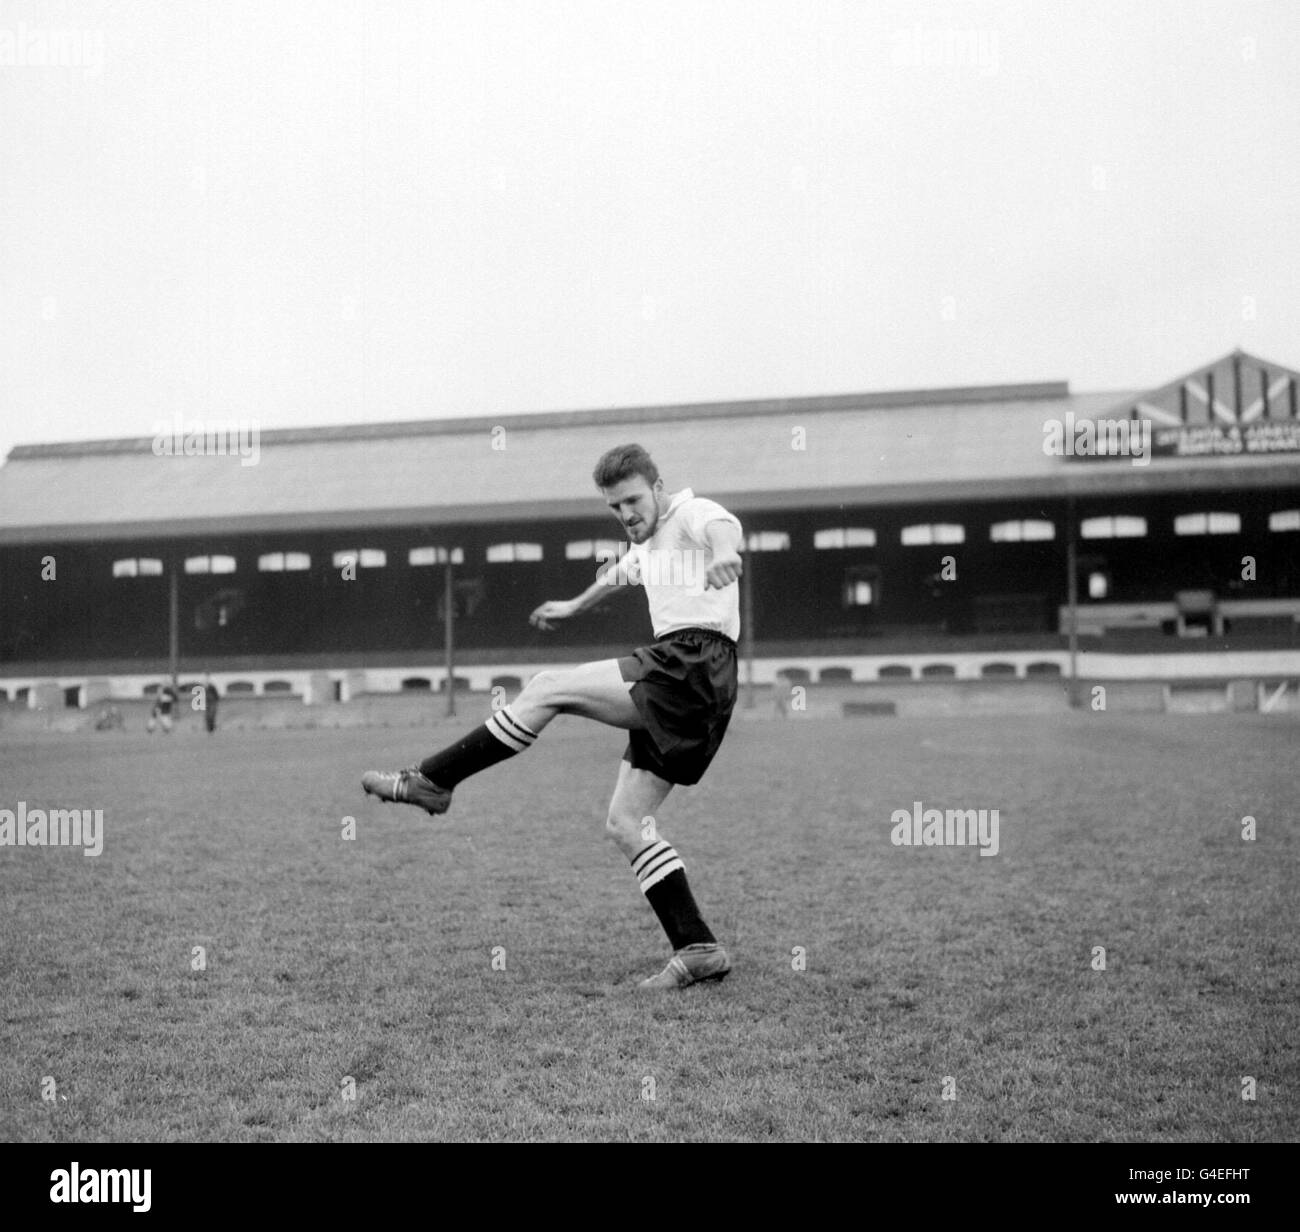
(1020, 530)
(1026, 530)
(285, 562)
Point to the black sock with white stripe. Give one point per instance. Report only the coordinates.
(662, 875)
(502, 736)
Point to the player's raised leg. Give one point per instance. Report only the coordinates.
(632, 825)
(593, 690)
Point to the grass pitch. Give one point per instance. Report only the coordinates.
(352, 989)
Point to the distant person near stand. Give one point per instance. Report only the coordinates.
(210, 699)
(163, 705)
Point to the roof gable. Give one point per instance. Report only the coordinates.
(1237, 388)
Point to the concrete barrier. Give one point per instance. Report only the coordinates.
(956, 698)
(1123, 696)
(45, 695)
(1242, 696)
(1196, 698)
(936, 696)
(855, 709)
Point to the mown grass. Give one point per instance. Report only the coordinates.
(372, 959)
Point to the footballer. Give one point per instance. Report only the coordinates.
(674, 697)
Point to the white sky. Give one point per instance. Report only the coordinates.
(334, 212)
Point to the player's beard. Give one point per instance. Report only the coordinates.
(643, 530)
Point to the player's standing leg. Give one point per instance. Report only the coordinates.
(632, 825)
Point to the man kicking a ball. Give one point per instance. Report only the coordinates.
(674, 696)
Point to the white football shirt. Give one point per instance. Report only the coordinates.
(671, 564)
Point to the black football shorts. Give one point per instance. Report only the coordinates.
(684, 687)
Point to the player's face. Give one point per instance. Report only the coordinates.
(636, 505)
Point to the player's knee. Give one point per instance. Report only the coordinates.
(622, 827)
(543, 683)
(556, 687)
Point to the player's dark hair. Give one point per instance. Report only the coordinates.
(622, 462)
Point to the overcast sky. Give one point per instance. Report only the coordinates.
(333, 212)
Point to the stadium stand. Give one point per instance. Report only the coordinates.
(925, 538)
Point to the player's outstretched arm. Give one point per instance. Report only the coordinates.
(606, 583)
(724, 554)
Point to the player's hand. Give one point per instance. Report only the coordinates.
(722, 571)
(554, 609)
